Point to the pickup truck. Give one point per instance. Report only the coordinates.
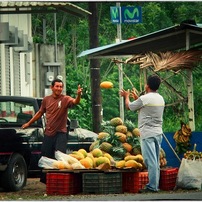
(20, 149)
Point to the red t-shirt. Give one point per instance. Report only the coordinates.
(56, 110)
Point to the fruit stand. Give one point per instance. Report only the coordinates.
(113, 164)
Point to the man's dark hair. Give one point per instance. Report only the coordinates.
(56, 80)
(153, 81)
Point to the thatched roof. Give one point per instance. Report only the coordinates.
(166, 60)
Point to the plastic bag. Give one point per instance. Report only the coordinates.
(48, 163)
(189, 174)
(65, 157)
(73, 162)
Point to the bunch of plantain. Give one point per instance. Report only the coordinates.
(193, 154)
(182, 138)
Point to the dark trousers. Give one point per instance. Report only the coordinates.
(50, 144)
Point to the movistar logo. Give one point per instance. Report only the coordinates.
(126, 14)
(131, 14)
(115, 12)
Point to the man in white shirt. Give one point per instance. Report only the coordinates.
(150, 107)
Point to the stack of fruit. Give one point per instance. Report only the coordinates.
(117, 146)
(122, 142)
(163, 161)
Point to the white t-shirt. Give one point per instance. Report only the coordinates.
(150, 114)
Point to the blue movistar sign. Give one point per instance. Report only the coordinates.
(126, 14)
(115, 15)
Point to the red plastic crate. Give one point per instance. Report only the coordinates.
(134, 181)
(63, 183)
(168, 178)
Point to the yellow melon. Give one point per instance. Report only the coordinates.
(77, 155)
(116, 121)
(102, 135)
(136, 132)
(94, 145)
(83, 151)
(97, 152)
(100, 160)
(121, 136)
(108, 156)
(87, 162)
(59, 164)
(127, 146)
(121, 129)
(129, 134)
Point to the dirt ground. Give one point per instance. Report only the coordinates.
(36, 191)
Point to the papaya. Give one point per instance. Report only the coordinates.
(106, 84)
(129, 157)
(132, 164)
(139, 158)
(120, 164)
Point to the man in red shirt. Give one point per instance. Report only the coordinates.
(55, 106)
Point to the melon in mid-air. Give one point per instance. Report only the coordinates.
(106, 84)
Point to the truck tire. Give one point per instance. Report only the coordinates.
(14, 178)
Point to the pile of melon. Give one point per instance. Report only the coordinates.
(117, 146)
(96, 159)
(121, 140)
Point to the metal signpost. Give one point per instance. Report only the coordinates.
(124, 15)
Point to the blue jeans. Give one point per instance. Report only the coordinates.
(151, 151)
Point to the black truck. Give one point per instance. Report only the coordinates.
(20, 149)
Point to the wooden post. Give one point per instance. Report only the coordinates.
(95, 69)
(190, 90)
(120, 67)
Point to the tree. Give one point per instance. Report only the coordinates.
(156, 16)
(95, 69)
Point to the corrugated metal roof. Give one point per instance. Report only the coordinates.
(169, 39)
(62, 6)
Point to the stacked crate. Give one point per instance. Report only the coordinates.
(63, 183)
(168, 177)
(102, 183)
(134, 181)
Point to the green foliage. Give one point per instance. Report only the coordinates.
(81, 112)
(74, 34)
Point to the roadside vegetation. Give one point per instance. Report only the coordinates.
(74, 34)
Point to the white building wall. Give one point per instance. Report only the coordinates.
(24, 71)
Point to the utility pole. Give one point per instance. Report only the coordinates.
(119, 39)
